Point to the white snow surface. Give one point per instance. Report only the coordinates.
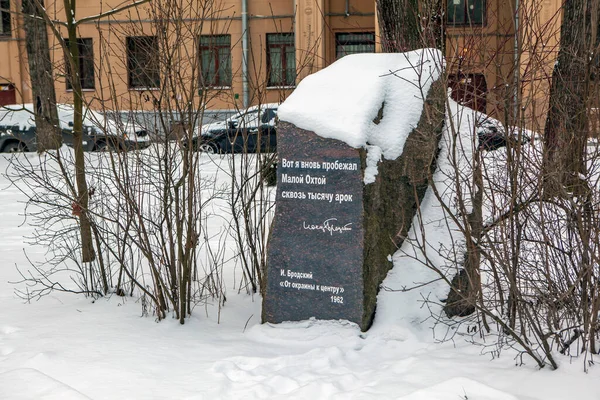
(342, 100)
(373, 158)
(68, 347)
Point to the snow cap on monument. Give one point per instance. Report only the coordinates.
(341, 101)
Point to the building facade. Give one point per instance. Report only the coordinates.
(500, 61)
(235, 53)
(231, 53)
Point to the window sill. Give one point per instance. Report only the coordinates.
(143, 89)
(462, 26)
(215, 88)
(83, 90)
(281, 87)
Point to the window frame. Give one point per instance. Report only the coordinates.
(5, 20)
(468, 19)
(283, 81)
(150, 78)
(348, 42)
(222, 78)
(84, 56)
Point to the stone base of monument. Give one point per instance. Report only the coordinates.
(333, 235)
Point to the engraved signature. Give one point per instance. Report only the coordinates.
(328, 226)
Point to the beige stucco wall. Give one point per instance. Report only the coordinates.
(314, 21)
(540, 35)
(487, 50)
(493, 54)
(13, 68)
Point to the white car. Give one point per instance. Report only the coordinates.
(18, 131)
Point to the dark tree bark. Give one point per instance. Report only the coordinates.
(48, 132)
(432, 22)
(87, 244)
(567, 127)
(410, 24)
(465, 288)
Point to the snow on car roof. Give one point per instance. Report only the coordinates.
(24, 120)
(255, 108)
(21, 115)
(262, 106)
(342, 100)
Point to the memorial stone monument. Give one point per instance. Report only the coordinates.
(333, 233)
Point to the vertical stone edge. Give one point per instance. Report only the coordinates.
(390, 203)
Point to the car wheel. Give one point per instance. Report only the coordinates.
(209, 148)
(14, 147)
(102, 146)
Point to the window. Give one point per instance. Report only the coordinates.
(281, 59)
(466, 12)
(215, 60)
(354, 43)
(142, 62)
(5, 18)
(86, 64)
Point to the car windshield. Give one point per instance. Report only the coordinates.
(251, 118)
(269, 115)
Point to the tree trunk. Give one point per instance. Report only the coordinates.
(87, 246)
(405, 26)
(566, 128)
(465, 288)
(48, 133)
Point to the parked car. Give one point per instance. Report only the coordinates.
(18, 131)
(491, 134)
(250, 131)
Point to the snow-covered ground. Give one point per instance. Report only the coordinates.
(68, 347)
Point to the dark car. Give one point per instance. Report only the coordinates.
(491, 135)
(18, 131)
(251, 131)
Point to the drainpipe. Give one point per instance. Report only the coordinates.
(245, 92)
(347, 10)
(517, 64)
